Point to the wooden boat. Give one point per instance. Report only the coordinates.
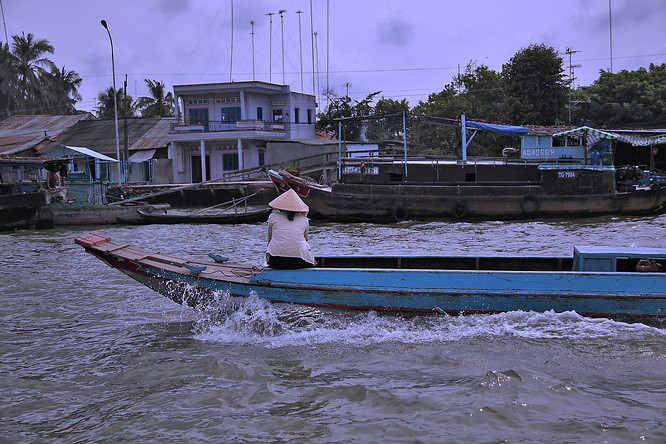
(499, 191)
(16, 207)
(594, 281)
(602, 173)
(243, 217)
(26, 204)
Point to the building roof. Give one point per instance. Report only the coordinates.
(100, 135)
(156, 137)
(23, 133)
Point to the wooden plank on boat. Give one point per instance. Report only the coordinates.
(221, 272)
(110, 246)
(166, 259)
(134, 254)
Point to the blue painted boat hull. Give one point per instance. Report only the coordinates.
(453, 292)
(589, 293)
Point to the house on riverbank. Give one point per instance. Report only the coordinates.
(224, 127)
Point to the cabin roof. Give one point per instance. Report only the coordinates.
(634, 252)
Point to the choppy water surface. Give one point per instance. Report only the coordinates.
(89, 355)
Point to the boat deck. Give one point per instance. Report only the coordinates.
(102, 245)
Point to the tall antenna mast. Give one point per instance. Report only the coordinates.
(252, 34)
(610, 31)
(231, 61)
(327, 40)
(317, 53)
(300, 46)
(270, 46)
(312, 49)
(281, 11)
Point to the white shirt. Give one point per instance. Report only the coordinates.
(289, 238)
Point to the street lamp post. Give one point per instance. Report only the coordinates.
(115, 102)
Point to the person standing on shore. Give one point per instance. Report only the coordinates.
(53, 180)
(288, 231)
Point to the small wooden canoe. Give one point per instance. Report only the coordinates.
(595, 281)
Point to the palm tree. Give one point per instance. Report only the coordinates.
(7, 81)
(31, 83)
(105, 109)
(63, 93)
(158, 104)
(30, 65)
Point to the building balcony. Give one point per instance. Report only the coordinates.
(185, 131)
(215, 126)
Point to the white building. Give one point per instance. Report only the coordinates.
(222, 127)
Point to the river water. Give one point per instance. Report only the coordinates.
(89, 355)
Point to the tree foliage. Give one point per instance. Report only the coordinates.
(387, 125)
(30, 83)
(535, 87)
(628, 98)
(346, 108)
(158, 104)
(105, 109)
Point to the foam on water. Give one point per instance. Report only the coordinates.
(257, 321)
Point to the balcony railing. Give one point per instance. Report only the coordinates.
(218, 125)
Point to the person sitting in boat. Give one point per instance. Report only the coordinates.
(288, 229)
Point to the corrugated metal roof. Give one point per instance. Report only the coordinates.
(100, 135)
(156, 137)
(22, 133)
(40, 122)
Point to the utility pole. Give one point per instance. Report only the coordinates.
(115, 101)
(126, 131)
(5, 24)
(282, 11)
(252, 34)
(572, 77)
(270, 46)
(300, 46)
(347, 84)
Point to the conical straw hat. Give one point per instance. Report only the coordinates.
(289, 201)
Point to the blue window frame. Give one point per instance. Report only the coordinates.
(260, 113)
(231, 114)
(229, 161)
(199, 116)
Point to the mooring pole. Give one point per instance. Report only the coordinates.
(404, 139)
(339, 150)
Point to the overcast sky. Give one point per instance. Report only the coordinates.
(406, 50)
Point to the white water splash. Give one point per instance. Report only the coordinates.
(254, 320)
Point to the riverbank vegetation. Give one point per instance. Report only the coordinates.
(530, 89)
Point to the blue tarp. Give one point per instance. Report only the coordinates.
(500, 130)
